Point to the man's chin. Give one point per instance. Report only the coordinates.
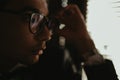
(30, 60)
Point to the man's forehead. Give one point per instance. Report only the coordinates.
(40, 5)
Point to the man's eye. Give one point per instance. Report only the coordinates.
(34, 19)
(34, 22)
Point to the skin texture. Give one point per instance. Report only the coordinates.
(17, 42)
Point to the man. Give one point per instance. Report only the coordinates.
(24, 32)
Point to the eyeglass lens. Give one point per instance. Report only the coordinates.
(35, 21)
(38, 22)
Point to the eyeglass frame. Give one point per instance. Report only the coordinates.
(45, 20)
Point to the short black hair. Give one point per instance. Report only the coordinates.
(55, 5)
(82, 4)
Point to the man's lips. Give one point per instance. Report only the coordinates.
(40, 52)
(37, 52)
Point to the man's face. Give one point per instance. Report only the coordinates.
(17, 42)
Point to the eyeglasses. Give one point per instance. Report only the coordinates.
(37, 21)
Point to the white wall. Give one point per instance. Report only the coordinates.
(104, 24)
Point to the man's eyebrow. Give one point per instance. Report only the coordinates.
(30, 9)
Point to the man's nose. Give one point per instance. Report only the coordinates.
(44, 35)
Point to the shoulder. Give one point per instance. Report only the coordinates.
(103, 71)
